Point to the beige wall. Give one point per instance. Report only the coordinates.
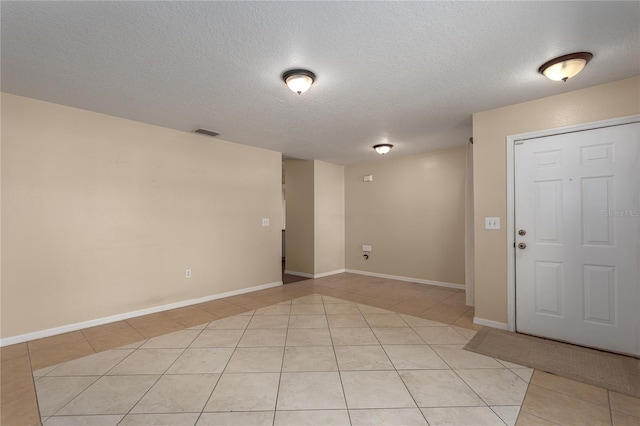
(412, 213)
(101, 216)
(490, 130)
(299, 244)
(329, 217)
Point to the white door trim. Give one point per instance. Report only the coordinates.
(511, 141)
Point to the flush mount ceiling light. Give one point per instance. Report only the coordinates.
(383, 148)
(566, 66)
(298, 80)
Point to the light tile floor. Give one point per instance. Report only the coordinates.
(550, 400)
(281, 365)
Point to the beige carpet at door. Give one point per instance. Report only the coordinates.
(610, 371)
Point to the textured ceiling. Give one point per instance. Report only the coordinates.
(410, 73)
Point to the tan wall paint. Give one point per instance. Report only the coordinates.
(101, 216)
(412, 213)
(490, 130)
(299, 190)
(329, 217)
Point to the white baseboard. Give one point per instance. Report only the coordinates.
(409, 279)
(119, 317)
(326, 274)
(307, 275)
(490, 323)
(298, 274)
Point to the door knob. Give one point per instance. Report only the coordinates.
(522, 232)
(522, 246)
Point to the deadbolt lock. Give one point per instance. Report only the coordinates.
(522, 232)
(522, 246)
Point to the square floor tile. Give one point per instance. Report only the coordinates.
(146, 361)
(421, 322)
(312, 298)
(312, 418)
(238, 322)
(414, 357)
(367, 309)
(309, 358)
(101, 420)
(624, 403)
(333, 300)
(54, 392)
(177, 339)
(92, 365)
(495, 387)
(310, 391)
(341, 308)
(563, 409)
(458, 358)
(346, 320)
(573, 388)
(375, 389)
(353, 336)
(469, 334)
(481, 416)
(362, 358)
(245, 392)
(441, 335)
(508, 413)
(385, 320)
(388, 416)
(178, 394)
(255, 360)
(398, 336)
(213, 338)
(524, 373)
(308, 337)
(308, 321)
(263, 337)
(439, 388)
(274, 310)
(173, 419)
(307, 309)
(246, 418)
(269, 321)
(201, 361)
(110, 395)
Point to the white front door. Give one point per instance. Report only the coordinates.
(577, 204)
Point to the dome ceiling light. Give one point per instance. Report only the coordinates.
(383, 148)
(564, 67)
(299, 80)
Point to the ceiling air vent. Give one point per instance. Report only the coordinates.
(206, 132)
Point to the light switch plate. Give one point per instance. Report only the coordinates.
(366, 247)
(491, 223)
(265, 221)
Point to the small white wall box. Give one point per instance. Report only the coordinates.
(368, 178)
(366, 247)
(491, 223)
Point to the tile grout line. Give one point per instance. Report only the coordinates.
(333, 348)
(160, 376)
(396, 370)
(284, 349)
(227, 363)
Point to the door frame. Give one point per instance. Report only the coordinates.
(512, 140)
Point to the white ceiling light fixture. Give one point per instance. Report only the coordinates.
(299, 80)
(564, 67)
(383, 148)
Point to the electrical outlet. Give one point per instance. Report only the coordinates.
(265, 221)
(491, 223)
(367, 247)
(188, 273)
